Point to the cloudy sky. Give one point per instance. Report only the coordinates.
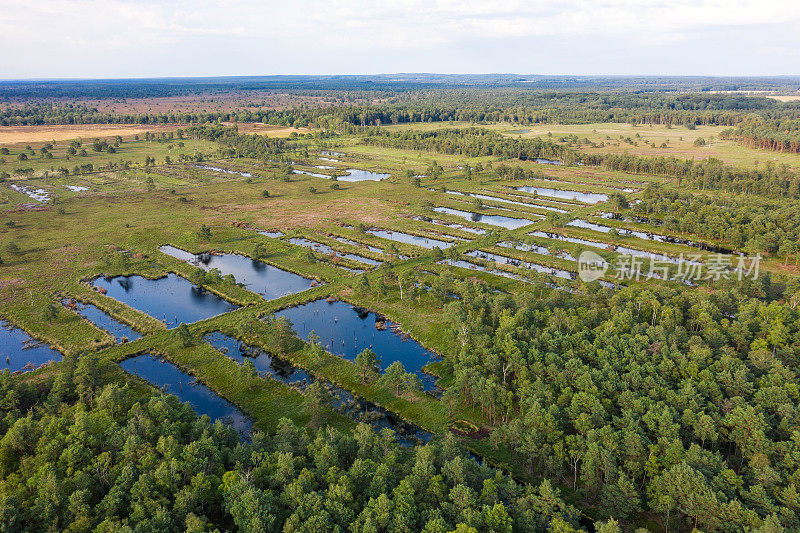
(137, 38)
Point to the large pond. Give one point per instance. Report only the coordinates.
(99, 318)
(565, 194)
(19, 351)
(327, 250)
(399, 236)
(346, 330)
(343, 401)
(494, 220)
(171, 299)
(203, 400)
(354, 174)
(267, 280)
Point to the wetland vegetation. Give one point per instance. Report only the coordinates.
(368, 311)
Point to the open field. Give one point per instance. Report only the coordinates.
(642, 139)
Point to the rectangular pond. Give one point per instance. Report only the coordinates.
(460, 263)
(102, 320)
(399, 236)
(346, 330)
(20, 352)
(624, 250)
(327, 250)
(355, 174)
(504, 260)
(267, 366)
(344, 401)
(269, 281)
(565, 194)
(170, 379)
(646, 235)
(505, 200)
(451, 225)
(493, 220)
(536, 249)
(351, 242)
(171, 299)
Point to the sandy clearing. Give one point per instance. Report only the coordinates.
(33, 134)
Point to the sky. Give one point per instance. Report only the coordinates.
(148, 38)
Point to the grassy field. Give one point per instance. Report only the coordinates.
(644, 140)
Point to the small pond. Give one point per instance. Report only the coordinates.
(170, 379)
(344, 402)
(355, 174)
(225, 171)
(399, 236)
(19, 351)
(327, 250)
(493, 220)
(345, 330)
(171, 299)
(102, 320)
(40, 195)
(565, 194)
(502, 259)
(269, 281)
(452, 225)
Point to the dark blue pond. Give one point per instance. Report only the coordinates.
(343, 401)
(172, 299)
(18, 351)
(266, 365)
(269, 281)
(203, 400)
(100, 319)
(345, 330)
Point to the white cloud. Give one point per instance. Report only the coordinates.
(62, 36)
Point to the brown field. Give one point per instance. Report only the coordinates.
(267, 129)
(787, 98)
(41, 134)
(37, 134)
